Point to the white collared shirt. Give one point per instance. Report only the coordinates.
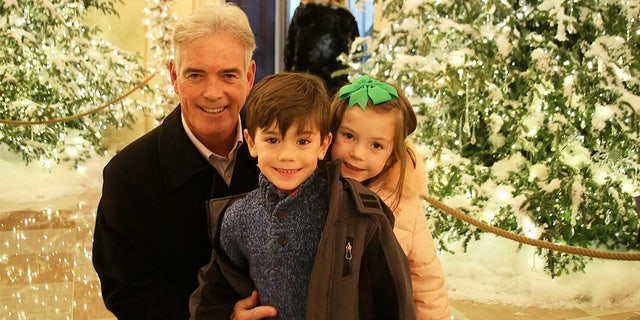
(223, 164)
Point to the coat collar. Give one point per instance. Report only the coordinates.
(179, 158)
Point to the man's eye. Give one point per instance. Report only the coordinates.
(231, 76)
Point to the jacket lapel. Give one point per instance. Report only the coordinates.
(179, 158)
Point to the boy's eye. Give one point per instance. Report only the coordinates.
(271, 140)
(348, 135)
(303, 142)
(376, 145)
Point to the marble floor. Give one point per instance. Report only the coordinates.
(46, 270)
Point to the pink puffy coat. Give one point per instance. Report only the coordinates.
(429, 291)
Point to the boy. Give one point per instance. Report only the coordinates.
(312, 244)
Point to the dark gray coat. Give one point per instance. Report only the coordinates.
(151, 227)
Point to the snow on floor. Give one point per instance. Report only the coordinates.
(493, 270)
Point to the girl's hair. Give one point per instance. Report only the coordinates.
(212, 18)
(287, 99)
(406, 123)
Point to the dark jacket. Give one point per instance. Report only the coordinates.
(151, 234)
(375, 283)
(317, 35)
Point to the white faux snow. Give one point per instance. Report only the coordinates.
(492, 271)
(32, 183)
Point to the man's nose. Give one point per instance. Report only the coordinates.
(213, 89)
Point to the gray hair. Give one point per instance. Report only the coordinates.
(215, 17)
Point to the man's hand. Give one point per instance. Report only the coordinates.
(246, 309)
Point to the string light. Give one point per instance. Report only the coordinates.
(556, 93)
(64, 77)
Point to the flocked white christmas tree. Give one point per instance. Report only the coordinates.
(530, 114)
(159, 20)
(58, 80)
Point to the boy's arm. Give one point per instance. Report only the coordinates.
(385, 265)
(390, 276)
(248, 309)
(214, 298)
(221, 285)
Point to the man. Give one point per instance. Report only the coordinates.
(151, 231)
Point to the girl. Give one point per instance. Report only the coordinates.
(371, 121)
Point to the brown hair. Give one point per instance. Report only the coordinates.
(286, 99)
(406, 123)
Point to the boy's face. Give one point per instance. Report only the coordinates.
(287, 161)
(364, 142)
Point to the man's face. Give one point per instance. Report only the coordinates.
(213, 82)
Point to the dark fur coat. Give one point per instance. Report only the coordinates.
(318, 34)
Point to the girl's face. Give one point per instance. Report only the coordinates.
(364, 142)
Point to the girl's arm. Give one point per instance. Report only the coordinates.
(429, 291)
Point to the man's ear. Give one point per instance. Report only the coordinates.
(173, 72)
(251, 76)
(251, 145)
(322, 152)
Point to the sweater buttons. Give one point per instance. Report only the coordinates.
(283, 240)
(282, 215)
(272, 197)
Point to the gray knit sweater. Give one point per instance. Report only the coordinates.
(275, 236)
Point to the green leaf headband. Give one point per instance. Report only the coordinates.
(360, 90)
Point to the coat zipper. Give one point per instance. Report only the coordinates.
(348, 255)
